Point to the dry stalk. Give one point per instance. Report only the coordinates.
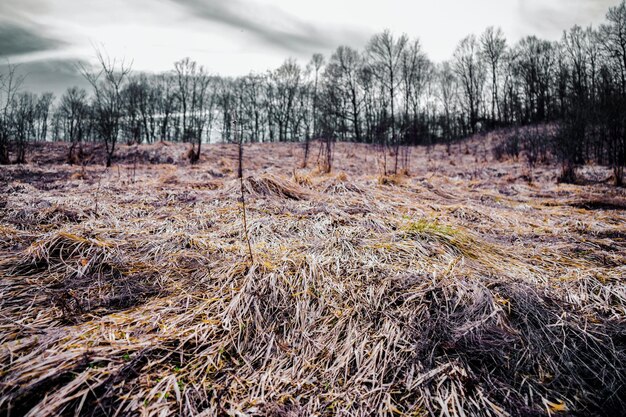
(239, 140)
(97, 193)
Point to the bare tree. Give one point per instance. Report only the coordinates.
(42, 114)
(342, 78)
(385, 55)
(493, 45)
(73, 109)
(614, 36)
(165, 91)
(252, 102)
(195, 101)
(107, 84)
(283, 87)
(469, 69)
(416, 73)
(24, 113)
(448, 96)
(532, 64)
(317, 62)
(10, 84)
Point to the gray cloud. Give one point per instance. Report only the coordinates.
(17, 39)
(551, 18)
(49, 75)
(271, 26)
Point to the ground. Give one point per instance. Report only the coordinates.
(469, 287)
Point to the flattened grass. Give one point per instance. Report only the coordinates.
(432, 297)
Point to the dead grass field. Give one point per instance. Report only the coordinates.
(459, 290)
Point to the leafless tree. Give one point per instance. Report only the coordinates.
(73, 109)
(317, 63)
(10, 84)
(448, 95)
(283, 87)
(252, 98)
(42, 115)
(385, 54)
(416, 74)
(614, 40)
(470, 72)
(108, 108)
(342, 79)
(165, 97)
(493, 45)
(24, 113)
(195, 100)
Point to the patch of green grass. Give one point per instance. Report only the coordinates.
(425, 227)
(453, 239)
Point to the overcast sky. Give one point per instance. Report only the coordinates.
(235, 37)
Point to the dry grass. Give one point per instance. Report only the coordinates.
(461, 290)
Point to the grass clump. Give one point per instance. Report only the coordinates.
(392, 179)
(271, 186)
(451, 238)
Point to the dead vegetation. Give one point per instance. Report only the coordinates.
(271, 186)
(461, 290)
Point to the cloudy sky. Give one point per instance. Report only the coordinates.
(48, 37)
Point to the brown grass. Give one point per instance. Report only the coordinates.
(461, 290)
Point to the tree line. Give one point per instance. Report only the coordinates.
(389, 93)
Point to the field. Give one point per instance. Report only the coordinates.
(461, 289)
